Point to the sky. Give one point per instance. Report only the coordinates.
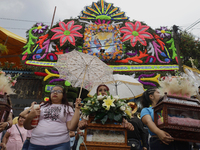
(155, 13)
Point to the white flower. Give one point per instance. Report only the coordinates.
(89, 101)
(116, 97)
(122, 108)
(100, 97)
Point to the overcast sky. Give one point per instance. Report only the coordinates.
(154, 13)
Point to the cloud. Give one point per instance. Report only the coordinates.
(12, 8)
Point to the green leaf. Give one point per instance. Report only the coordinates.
(118, 117)
(105, 118)
(99, 116)
(111, 116)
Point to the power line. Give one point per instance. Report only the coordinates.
(193, 24)
(15, 28)
(22, 20)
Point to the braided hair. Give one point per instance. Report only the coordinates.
(146, 101)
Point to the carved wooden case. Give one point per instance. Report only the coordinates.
(102, 137)
(180, 117)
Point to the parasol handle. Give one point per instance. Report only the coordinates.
(82, 81)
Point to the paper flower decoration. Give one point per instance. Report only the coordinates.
(103, 11)
(135, 32)
(40, 28)
(162, 32)
(66, 32)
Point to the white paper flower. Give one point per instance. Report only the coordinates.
(122, 108)
(116, 97)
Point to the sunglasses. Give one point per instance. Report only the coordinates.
(56, 91)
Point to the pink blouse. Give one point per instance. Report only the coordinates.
(14, 140)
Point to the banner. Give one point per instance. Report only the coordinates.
(115, 67)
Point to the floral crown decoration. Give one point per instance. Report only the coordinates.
(106, 107)
(7, 82)
(179, 85)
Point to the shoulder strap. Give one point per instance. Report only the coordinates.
(19, 133)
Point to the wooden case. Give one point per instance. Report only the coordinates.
(111, 136)
(4, 108)
(180, 117)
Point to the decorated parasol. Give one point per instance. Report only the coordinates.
(124, 86)
(83, 70)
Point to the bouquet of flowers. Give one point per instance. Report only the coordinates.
(179, 85)
(7, 82)
(106, 107)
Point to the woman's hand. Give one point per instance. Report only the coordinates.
(3, 125)
(3, 145)
(127, 125)
(78, 103)
(32, 104)
(34, 112)
(165, 137)
(82, 124)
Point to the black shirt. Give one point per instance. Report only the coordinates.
(139, 132)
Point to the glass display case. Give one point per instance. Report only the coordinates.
(180, 117)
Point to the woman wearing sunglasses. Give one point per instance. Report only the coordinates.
(56, 119)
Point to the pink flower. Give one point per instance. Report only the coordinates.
(13, 83)
(66, 32)
(135, 32)
(1, 72)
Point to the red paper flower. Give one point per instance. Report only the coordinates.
(135, 32)
(66, 32)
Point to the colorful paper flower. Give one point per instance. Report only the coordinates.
(40, 28)
(66, 32)
(108, 102)
(135, 32)
(163, 32)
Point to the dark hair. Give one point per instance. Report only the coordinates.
(199, 87)
(64, 99)
(102, 85)
(20, 117)
(145, 97)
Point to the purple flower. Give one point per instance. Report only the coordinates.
(40, 28)
(163, 32)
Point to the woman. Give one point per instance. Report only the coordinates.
(159, 138)
(103, 90)
(28, 136)
(56, 118)
(15, 136)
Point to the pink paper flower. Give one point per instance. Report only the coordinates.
(66, 32)
(13, 82)
(40, 28)
(135, 32)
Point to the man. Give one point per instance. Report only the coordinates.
(138, 133)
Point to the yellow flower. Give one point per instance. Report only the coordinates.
(108, 102)
(128, 112)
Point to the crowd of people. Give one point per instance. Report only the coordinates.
(61, 126)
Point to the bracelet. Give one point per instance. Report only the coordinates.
(8, 125)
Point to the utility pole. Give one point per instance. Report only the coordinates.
(177, 42)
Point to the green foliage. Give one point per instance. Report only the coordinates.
(3, 49)
(190, 47)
